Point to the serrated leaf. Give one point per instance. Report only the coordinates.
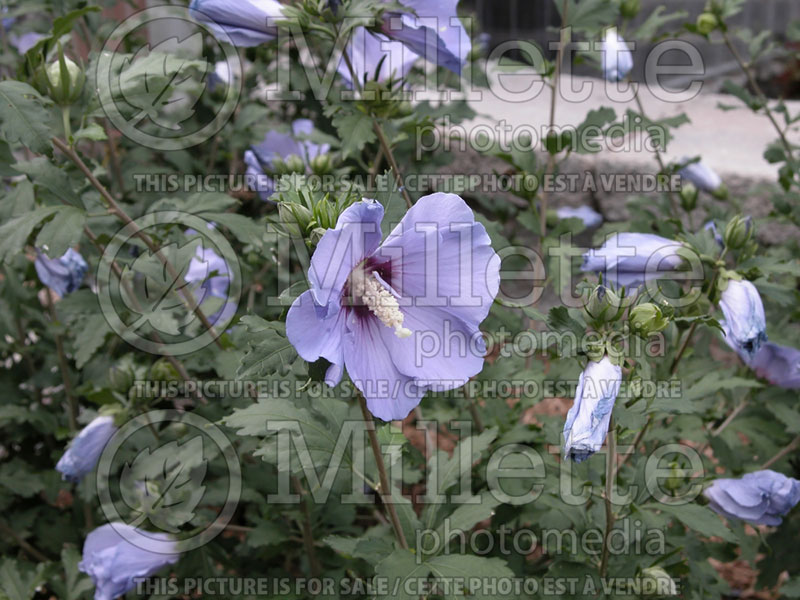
(270, 352)
(23, 116)
(89, 338)
(244, 228)
(14, 234)
(92, 132)
(48, 176)
(698, 518)
(63, 231)
(468, 568)
(18, 582)
(355, 130)
(397, 569)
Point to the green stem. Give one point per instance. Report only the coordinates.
(660, 159)
(185, 295)
(67, 127)
(384, 143)
(611, 474)
(795, 443)
(308, 533)
(551, 159)
(385, 489)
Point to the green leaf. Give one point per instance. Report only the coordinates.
(472, 570)
(18, 477)
(77, 583)
(371, 549)
(742, 94)
(355, 129)
(48, 176)
(655, 22)
(23, 116)
(14, 234)
(402, 571)
(92, 132)
(698, 518)
(466, 516)
(89, 338)
(63, 231)
(244, 228)
(270, 353)
(19, 582)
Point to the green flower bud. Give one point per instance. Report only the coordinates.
(295, 164)
(706, 23)
(647, 318)
(63, 80)
(322, 164)
(630, 8)
(295, 217)
(603, 306)
(738, 232)
(162, 370)
(688, 197)
(121, 378)
(657, 582)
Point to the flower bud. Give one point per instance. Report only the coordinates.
(321, 164)
(603, 306)
(647, 319)
(657, 582)
(121, 378)
(295, 217)
(162, 370)
(688, 197)
(294, 164)
(738, 232)
(64, 80)
(706, 23)
(630, 8)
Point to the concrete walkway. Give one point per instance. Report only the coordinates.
(730, 142)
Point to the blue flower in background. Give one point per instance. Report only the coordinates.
(26, 41)
(616, 57)
(630, 259)
(85, 450)
(760, 498)
(262, 157)
(701, 175)
(403, 316)
(588, 419)
(745, 325)
(712, 227)
(212, 276)
(116, 555)
(242, 23)
(589, 216)
(405, 37)
(63, 275)
(780, 365)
